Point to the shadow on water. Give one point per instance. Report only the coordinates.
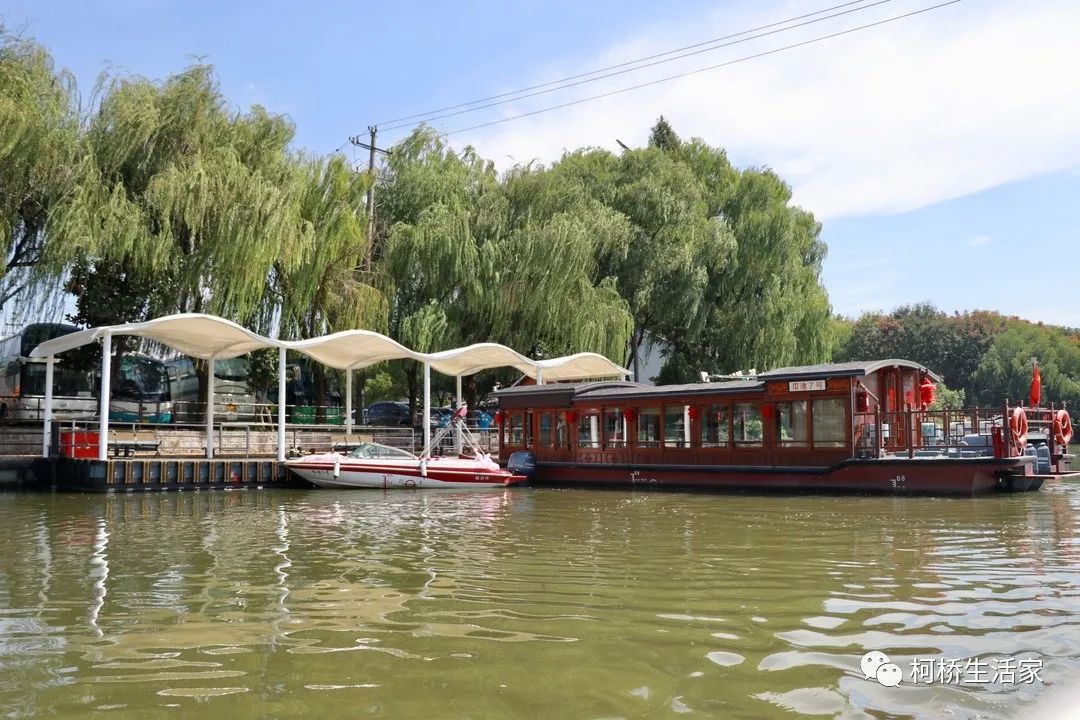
(529, 603)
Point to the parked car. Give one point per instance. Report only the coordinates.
(387, 413)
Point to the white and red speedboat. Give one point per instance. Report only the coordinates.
(371, 465)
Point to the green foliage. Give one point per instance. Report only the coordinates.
(951, 345)
(162, 198)
(948, 399)
(263, 373)
(39, 131)
(381, 386)
(1004, 371)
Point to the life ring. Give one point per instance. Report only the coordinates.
(1018, 427)
(1063, 430)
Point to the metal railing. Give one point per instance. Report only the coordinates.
(963, 433)
(79, 438)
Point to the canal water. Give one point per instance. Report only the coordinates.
(536, 603)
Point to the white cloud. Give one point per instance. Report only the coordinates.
(978, 241)
(883, 120)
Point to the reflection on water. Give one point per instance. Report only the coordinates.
(527, 603)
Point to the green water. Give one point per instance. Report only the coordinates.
(532, 603)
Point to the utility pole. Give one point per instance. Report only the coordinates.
(372, 149)
(370, 205)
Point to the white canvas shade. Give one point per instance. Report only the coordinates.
(208, 337)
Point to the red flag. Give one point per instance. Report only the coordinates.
(1036, 387)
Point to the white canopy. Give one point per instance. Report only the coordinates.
(208, 336)
(351, 349)
(201, 336)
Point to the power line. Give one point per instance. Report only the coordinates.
(565, 85)
(704, 69)
(418, 116)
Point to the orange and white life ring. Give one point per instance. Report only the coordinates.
(1018, 428)
(1063, 430)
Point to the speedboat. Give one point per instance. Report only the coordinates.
(372, 465)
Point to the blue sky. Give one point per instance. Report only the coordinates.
(941, 152)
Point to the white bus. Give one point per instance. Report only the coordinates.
(22, 379)
(140, 390)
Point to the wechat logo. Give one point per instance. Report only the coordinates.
(876, 666)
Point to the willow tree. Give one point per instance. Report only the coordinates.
(470, 263)
(39, 133)
(323, 289)
(174, 186)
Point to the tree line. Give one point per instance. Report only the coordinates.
(155, 197)
(985, 358)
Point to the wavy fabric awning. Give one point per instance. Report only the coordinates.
(207, 336)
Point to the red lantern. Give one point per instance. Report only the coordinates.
(862, 401)
(909, 398)
(571, 417)
(499, 417)
(926, 392)
(766, 412)
(694, 412)
(628, 414)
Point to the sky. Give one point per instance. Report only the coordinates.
(941, 151)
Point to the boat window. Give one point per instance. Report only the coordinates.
(589, 429)
(545, 430)
(746, 424)
(648, 427)
(614, 428)
(829, 422)
(677, 426)
(791, 428)
(375, 450)
(517, 430)
(714, 426)
(562, 434)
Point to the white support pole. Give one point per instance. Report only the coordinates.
(210, 409)
(348, 402)
(46, 425)
(425, 420)
(540, 376)
(281, 405)
(103, 401)
(459, 440)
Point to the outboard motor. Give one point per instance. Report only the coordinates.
(522, 462)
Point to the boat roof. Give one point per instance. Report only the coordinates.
(565, 391)
(854, 368)
(620, 389)
(646, 391)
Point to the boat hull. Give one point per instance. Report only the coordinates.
(920, 476)
(323, 474)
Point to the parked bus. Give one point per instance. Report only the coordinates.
(140, 390)
(22, 379)
(233, 399)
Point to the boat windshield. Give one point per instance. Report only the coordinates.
(374, 450)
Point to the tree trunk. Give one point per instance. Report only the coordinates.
(470, 392)
(411, 372)
(318, 371)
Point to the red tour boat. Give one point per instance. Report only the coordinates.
(855, 426)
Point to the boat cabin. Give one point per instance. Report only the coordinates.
(814, 415)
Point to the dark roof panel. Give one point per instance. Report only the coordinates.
(855, 368)
(644, 391)
(571, 388)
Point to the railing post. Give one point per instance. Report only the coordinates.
(103, 401)
(878, 440)
(46, 427)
